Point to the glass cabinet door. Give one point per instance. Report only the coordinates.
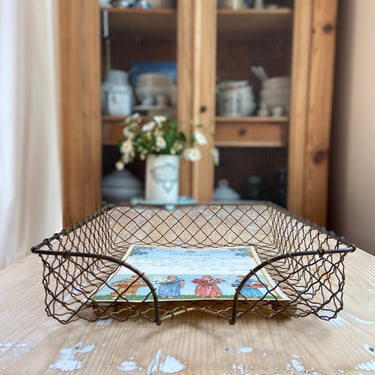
(253, 86)
(137, 42)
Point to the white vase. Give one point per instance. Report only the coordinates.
(162, 175)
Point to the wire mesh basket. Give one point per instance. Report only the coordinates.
(305, 262)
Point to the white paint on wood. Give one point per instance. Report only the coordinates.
(360, 321)
(171, 365)
(104, 322)
(339, 322)
(68, 361)
(240, 368)
(297, 364)
(154, 365)
(15, 349)
(367, 366)
(244, 349)
(129, 366)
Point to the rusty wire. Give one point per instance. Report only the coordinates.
(305, 261)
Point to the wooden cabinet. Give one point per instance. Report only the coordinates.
(207, 44)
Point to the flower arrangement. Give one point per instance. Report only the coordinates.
(159, 136)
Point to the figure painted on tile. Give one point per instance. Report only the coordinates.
(207, 286)
(171, 287)
(251, 287)
(127, 287)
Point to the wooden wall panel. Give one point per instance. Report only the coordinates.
(79, 57)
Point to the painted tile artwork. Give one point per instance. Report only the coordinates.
(189, 274)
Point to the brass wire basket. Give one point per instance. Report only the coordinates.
(305, 261)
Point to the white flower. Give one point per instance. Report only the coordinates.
(215, 155)
(119, 165)
(126, 147)
(178, 146)
(160, 142)
(148, 126)
(126, 158)
(134, 116)
(200, 138)
(127, 133)
(192, 154)
(157, 136)
(160, 119)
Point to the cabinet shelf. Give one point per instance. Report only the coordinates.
(230, 131)
(162, 23)
(141, 23)
(253, 23)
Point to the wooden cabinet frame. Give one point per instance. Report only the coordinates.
(309, 123)
(310, 118)
(79, 66)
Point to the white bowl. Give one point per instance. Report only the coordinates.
(233, 107)
(224, 192)
(247, 108)
(120, 186)
(272, 103)
(153, 79)
(275, 98)
(280, 93)
(150, 85)
(232, 4)
(277, 82)
(238, 91)
(162, 3)
(147, 91)
(231, 84)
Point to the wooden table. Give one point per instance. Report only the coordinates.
(32, 343)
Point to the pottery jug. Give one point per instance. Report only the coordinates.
(117, 94)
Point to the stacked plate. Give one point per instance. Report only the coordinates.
(235, 98)
(275, 95)
(153, 89)
(162, 3)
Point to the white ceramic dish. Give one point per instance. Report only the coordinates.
(276, 82)
(232, 4)
(162, 3)
(274, 103)
(152, 79)
(275, 93)
(224, 192)
(152, 91)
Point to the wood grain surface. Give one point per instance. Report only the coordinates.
(79, 50)
(32, 343)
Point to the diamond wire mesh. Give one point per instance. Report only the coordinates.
(305, 261)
